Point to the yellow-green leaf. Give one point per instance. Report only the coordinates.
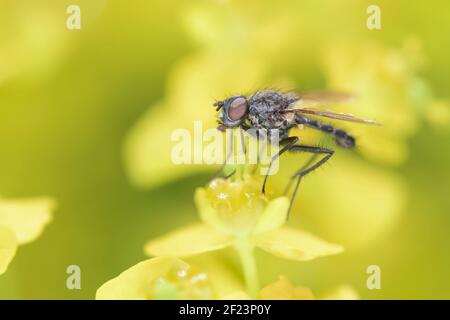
(225, 281)
(137, 282)
(294, 244)
(284, 290)
(26, 218)
(238, 295)
(343, 292)
(188, 241)
(274, 215)
(8, 248)
(206, 212)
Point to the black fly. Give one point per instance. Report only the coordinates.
(270, 109)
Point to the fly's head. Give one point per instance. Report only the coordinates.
(232, 112)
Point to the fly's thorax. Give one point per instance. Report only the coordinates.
(266, 111)
(271, 121)
(270, 101)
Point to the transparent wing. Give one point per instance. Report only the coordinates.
(333, 115)
(326, 98)
(323, 98)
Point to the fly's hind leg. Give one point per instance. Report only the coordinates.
(308, 168)
(292, 179)
(288, 143)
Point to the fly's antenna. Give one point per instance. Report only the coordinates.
(219, 105)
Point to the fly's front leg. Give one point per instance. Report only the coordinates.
(230, 152)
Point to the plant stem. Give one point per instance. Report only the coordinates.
(245, 251)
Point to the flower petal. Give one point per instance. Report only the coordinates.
(8, 247)
(293, 244)
(274, 215)
(363, 203)
(136, 282)
(26, 218)
(188, 241)
(238, 295)
(223, 279)
(207, 213)
(343, 292)
(284, 290)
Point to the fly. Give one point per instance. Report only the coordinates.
(275, 110)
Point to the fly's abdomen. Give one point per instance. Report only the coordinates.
(342, 138)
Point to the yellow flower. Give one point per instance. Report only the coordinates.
(163, 278)
(343, 292)
(363, 202)
(235, 213)
(284, 290)
(235, 210)
(388, 88)
(21, 222)
(40, 31)
(438, 113)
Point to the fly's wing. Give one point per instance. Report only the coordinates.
(326, 98)
(335, 115)
(323, 98)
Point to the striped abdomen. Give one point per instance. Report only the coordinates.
(343, 139)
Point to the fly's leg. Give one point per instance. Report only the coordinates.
(288, 143)
(306, 165)
(305, 170)
(230, 153)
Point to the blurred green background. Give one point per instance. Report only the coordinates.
(69, 98)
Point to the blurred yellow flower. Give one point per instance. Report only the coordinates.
(284, 290)
(8, 247)
(159, 279)
(35, 38)
(343, 292)
(388, 88)
(163, 278)
(438, 113)
(363, 202)
(235, 213)
(21, 222)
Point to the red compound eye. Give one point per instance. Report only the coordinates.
(238, 108)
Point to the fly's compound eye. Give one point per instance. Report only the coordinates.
(237, 109)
